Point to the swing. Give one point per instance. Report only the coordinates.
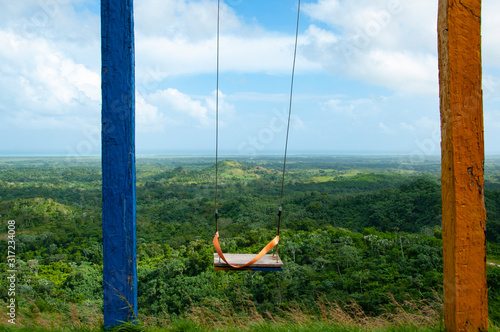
(249, 262)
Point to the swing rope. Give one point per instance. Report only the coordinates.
(288, 124)
(217, 125)
(274, 242)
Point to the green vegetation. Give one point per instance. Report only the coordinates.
(361, 242)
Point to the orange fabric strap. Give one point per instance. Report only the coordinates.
(261, 254)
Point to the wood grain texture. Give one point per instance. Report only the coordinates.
(241, 259)
(118, 162)
(464, 214)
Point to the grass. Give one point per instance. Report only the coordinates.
(493, 259)
(188, 326)
(223, 315)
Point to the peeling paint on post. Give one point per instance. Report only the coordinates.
(462, 165)
(118, 162)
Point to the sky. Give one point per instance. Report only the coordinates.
(366, 77)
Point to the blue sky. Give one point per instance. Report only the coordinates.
(366, 77)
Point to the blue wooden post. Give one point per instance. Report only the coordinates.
(118, 162)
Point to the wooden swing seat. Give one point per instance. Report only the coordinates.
(247, 262)
(266, 263)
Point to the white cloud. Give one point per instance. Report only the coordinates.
(226, 109)
(50, 72)
(297, 123)
(426, 124)
(250, 96)
(40, 82)
(321, 36)
(490, 25)
(271, 54)
(337, 106)
(66, 81)
(179, 37)
(191, 21)
(400, 71)
(386, 129)
(174, 57)
(406, 126)
(48, 77)
(391, 43)
(172, 100)
(386, 43)
(148, 118)
(356, 110)
(177, 108)
(387, 23)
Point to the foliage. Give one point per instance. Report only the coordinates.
(364, 231)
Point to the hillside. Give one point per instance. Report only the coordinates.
(364, 232)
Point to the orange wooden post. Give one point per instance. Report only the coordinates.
(462, 165)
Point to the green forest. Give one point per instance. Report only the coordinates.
(359, 236)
